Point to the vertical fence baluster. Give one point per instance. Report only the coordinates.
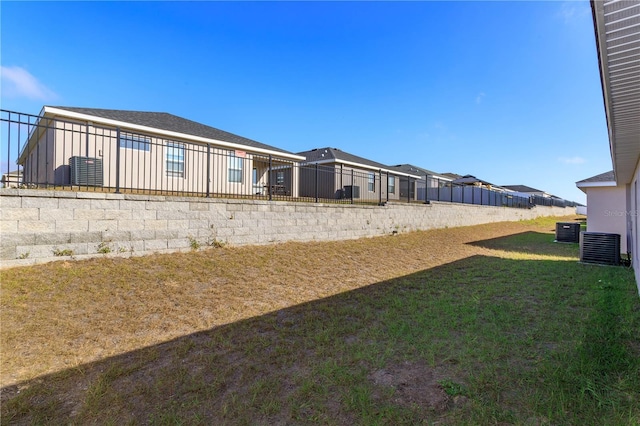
(316, 182)
(117, 160)
(269, 179)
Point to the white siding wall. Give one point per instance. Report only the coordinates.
(607, 212)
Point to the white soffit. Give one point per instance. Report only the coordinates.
(617, 25)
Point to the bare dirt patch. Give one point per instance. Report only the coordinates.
(415, 385)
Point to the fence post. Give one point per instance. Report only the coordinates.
(208, 169)
(9, 143)
(352, 186)
(408, 189)
(380, 192)
(117, 160)
(316, 183)
(269, 178)
(394, 185)
(426, 189)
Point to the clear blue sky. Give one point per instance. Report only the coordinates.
(506, 91)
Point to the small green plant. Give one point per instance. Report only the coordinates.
(452, 388)
(193, 243)
(122, 250)
(104, 248)
(24, 255)
(65, 252)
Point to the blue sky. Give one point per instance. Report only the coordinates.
(506, 91)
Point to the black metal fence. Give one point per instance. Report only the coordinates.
(43, 152)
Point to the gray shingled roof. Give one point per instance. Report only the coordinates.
(415, 170)
(172, 123)
(321, 154)
(470, 179)
(602, 177)
(521, 188)
(451, 175)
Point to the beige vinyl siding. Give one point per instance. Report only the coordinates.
(48, 161)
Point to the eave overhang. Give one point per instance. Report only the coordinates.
(617, 32)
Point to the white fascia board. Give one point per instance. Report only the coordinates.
(176, 135)
(596, 184)
(362, 166)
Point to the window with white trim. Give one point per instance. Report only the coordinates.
(235, 167)
(372, 182)
(139, 143)
(175, 159)
(392, 185)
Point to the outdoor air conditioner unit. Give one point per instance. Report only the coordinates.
(351, 191)
(568, 232)
(598, 247)
(86, 171)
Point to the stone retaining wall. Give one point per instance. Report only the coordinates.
(39, 226)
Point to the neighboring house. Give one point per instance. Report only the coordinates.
(474, 181)
(524, 189)
(149, 151)
(452, 176)
(617, 33)
(12, 179)
(344, 175)
(606, 206)
(429, 179)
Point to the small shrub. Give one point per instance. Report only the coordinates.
(65, 252)
(104, 248)
(195, 245)
(24, 255)
(217, 243)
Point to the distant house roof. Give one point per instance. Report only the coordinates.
(335, 155)
(451, 175)
(522, 188)
(470, 180)
(162, 121)
(411, 169)
(601, 180)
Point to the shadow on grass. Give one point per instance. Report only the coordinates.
(482, 340)
(531, 242)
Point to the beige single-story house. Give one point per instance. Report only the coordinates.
(606, 206)
(149, 151)
(617, 33)
(429, 181)
(344, 175)
(12, 179)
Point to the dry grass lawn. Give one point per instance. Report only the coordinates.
(490, 324)
(65, 314)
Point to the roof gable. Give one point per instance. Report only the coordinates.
(602, 177)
